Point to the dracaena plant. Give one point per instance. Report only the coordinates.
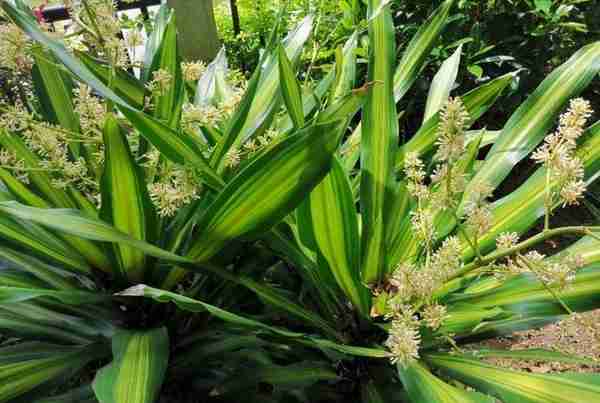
(167, 235)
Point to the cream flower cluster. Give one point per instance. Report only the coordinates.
(557, 154)
(15, 49)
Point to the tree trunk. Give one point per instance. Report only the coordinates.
(235, 16)
(198, 39)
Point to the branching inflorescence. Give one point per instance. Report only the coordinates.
(415, 285)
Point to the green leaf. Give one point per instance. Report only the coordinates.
(192, 305)
(442, 84)
(20, 191)
(10, 295)
(40, 179)
(345, 68)
(261, 101)
(32, 321)
(290, 89)
(50, 275)
(476, 102)
(379, 139)
(267, 189)
(136, 374)
(155, 38)
(19, 278)
(125, 201)
(370, 393)
(84, 394)
(39, 241)
(179, 149)
(424, 387)
(293, 376)
(535, 354)
(519, 211)
(527, 296)
(463, 318)
(124, 85)
(343, 84)
(29, 366)
(58, 91)
(271, 297)
(212, 87)
(419, 48)
(531, 121)
(293, 252)
(408, 69)
(230, 138)
(519, 387)
(266, 101)
(75, 223)
(176, 147)
(169, 103)
(335, 230)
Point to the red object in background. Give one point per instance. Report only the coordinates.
(39, 12)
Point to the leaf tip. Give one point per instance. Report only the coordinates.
(135, 291)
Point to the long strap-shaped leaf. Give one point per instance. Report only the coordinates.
(290, 89)
(212, 86)
(341, 79)
(519, 211)
(11, 295)
(335, 231)
(155, 38)
(53, 277)
(140, 360)
(40, 179)
(536, 354)
(168, 104)
(42, 242)
(193, 305)
(179, 149)
(519, 387)
(424, 387)
(125, 85)
(125, 200)
(267, 189)
(442, 84)
(58, 94)
(262, 98)
(32, 365)
(345, 68)
(531, 121)
(527, 296)
(476, 102)
(56, 197)
(75, 223)
(82, 394)
(412, 62)
(378, 144)
(418, 49)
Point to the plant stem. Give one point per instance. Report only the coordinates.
(547, 201)
(10, 168)
(528, 243)
(92, 18)
(531, 266)
(464, 233)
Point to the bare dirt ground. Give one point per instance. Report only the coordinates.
(579, 336)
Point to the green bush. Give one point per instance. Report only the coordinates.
(335, 22)
(184, 237)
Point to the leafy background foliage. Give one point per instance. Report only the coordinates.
(269, 283)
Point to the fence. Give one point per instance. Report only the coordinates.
(60, 13)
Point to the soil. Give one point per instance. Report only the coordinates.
(578, 336)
